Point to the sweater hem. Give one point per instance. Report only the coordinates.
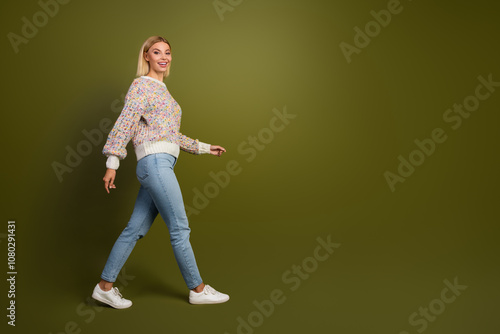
(156, 147)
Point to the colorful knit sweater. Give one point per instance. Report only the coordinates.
(151, 118)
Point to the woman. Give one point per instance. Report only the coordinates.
(151, 119)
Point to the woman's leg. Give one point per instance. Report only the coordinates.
(161, 184)
(139, 224)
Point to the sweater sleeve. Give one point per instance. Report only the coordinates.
(193, 146)
(125, 126)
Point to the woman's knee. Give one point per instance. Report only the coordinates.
(132, 233)
(180, 236)
(142, 233)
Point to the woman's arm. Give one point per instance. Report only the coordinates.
(125, 126)
(123, 130)
(195, 146)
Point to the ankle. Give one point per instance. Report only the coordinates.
(105, 286)
(199, 288)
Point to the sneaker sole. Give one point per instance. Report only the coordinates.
(98, 298)
(209, 302)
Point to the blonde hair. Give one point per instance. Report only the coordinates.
(143, 65)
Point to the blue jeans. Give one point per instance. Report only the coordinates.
(159, 193)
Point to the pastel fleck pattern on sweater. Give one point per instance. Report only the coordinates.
(150, 114)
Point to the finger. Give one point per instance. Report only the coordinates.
(112, 181)
(106, 186)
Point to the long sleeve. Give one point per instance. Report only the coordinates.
(136, 103)
(193, 146)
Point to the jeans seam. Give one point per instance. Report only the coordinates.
(130, 245)
(185, 258)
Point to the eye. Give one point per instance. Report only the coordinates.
(156, 52)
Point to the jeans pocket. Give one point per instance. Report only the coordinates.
(142, 170)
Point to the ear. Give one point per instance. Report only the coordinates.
(145, 55)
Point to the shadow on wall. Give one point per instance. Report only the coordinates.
(85, 219)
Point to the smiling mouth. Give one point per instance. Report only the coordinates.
(162, 64)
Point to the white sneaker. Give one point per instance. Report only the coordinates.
(112, 297)
(208, 296)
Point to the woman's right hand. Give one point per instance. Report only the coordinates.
(109, 179)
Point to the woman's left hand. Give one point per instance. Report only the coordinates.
(217, 150)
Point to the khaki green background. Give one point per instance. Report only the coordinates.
(323, 175)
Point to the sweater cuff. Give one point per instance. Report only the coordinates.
(203, 148)
(113, 162)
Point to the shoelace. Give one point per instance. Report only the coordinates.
(208, 289)
(116, 292)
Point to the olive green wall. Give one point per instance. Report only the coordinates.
(358, 193)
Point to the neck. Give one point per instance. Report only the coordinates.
(155, 75)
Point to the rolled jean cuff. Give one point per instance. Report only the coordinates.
(195, 285)
(108, 280)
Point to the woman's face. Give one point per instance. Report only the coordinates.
(159, 57)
